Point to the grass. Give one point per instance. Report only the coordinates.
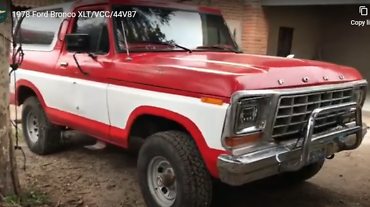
(20, 133)
(30, 198)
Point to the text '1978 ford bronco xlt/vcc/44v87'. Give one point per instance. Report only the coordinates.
(171, 83)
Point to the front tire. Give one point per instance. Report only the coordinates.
(172, 172)
(42, 137)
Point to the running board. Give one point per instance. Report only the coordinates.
(99, 145)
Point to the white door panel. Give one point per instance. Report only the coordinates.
(55, 90)
(90, 100)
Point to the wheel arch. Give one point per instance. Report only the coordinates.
(182, 120)
(209, 155)
(25, 89)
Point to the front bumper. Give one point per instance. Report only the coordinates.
(292, 155)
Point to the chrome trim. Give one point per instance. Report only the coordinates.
(270, 109)
(362, 101)
(260, 102)
(281, 106)
(278, 158)
(63, 64)
(306, 147)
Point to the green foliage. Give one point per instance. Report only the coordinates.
(30, 198)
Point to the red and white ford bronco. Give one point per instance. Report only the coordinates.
(171, 77)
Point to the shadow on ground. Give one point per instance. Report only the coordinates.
(108, 178)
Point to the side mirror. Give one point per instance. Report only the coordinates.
(79, 43)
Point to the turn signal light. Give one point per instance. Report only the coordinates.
(237, 141)
(215, 101)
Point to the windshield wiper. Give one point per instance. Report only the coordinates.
(166, 43)
(219, 47)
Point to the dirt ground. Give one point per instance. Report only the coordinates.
(108, 178)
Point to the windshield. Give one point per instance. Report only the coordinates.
(189, 29)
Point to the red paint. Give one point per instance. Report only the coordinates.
(25, 83)
(253, 71)
(209, 155)
(119, 136)
(90, 127)
(12, 99)
(249, 72)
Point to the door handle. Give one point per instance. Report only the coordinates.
(63, 64)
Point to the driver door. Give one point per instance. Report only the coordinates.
(89, 95)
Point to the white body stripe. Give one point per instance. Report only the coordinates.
(194, 58)
(203, 70)
(113, 104)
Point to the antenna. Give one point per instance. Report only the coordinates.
(128, 58)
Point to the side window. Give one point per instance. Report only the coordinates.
(96, 27)
(39, 30)
(215, 36)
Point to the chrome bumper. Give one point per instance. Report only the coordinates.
(292, 155)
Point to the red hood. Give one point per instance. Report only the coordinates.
(221, 74)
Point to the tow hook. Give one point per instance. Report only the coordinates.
(330, 157)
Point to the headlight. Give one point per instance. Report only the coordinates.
(249, 117)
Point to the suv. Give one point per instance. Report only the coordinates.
(169, 81)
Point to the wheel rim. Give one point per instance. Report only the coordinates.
(32, 127)
(162, 182)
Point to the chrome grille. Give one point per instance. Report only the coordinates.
(294, 110)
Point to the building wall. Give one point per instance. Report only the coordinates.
(345, 44)
(307, 29)
(247, 16)
(320, 32)
(323, 33)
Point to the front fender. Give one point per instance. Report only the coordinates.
(209, 155)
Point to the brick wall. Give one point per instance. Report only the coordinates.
(251, 14)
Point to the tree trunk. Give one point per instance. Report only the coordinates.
(9, 182)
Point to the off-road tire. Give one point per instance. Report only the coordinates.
(194, 184)
(303, 174)
(50, 139)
